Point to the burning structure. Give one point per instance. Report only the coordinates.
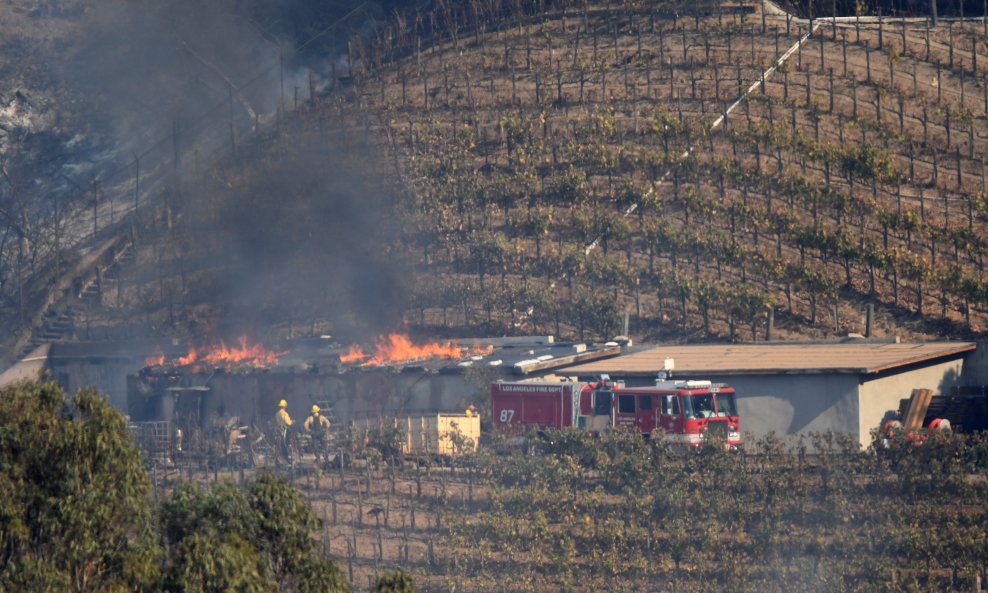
(396, 376)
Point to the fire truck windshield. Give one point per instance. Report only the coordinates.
(702, 405)
(699, 406)
(725, 405)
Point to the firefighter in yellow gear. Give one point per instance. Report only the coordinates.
(316, 423)
(282, 422)
(471, 411)
(317, 426)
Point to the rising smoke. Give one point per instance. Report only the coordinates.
(308, 232)
(292, 226)
(144, 67)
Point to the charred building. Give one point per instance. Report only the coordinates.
(346, 383)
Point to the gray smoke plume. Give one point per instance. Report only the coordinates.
(308, 234)
(295, 229)
(145, 67)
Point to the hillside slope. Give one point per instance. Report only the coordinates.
(854, 175)
(483, 169)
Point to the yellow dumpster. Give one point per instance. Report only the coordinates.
(442, 434)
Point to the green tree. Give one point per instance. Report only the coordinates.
(75, 512)
(225, 538)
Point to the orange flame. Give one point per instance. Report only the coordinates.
(353, 354)
(246, 354)
(482, 350)
(396, 348)
(399, 348)
(155, 360)
(188, 359)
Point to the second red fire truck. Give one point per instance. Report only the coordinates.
(683, 412)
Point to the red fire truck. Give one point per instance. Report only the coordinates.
(683, 411)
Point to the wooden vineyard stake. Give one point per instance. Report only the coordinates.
(843, 45)
(830, 84)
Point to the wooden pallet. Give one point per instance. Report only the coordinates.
(919, 402)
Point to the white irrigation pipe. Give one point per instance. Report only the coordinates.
(717, 122)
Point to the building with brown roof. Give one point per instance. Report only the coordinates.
(803, 387)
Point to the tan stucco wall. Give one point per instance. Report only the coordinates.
(882, 395)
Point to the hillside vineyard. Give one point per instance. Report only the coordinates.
(725, 172)
(561, 168)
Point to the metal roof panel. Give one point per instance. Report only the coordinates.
(775, 358)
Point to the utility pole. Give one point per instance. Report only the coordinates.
(95, 207)
(137, 182)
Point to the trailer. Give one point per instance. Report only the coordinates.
(442, 434)
(681, 412)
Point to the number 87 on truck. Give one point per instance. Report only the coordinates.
(683, 412)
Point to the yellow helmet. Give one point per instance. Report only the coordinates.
(315, 409)
(282, 404)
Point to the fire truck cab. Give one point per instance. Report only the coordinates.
(683, 412)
